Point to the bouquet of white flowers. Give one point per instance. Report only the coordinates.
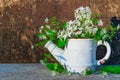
(85, 26)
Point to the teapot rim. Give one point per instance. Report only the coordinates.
(81, 39)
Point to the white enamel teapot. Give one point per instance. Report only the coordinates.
(79, 54)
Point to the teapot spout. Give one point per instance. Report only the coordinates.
(57, 52)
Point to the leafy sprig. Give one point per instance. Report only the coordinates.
(56, 67)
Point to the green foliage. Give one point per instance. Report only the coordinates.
(112, 32)
(51, 35)
(111, 69)
(102, 34)
(55, 21)
(46, 58)
(62, 43)
(64, 25)
(49, 32)
(88, 72)
(56, 67)
(99, 14)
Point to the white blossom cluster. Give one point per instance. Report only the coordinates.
(82, 13)
(81, 26)
(41, 30)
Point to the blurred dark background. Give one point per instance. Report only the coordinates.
(20, 21)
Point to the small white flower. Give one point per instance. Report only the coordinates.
(65, 37)
(32, 47)
(47, 26)
(94, 30)
(47, 33)
(69, 34)
(53, 31)
(88, 22)
(76, 22)
(104, 31)
(42, 62)
(46, 20)
(40, 31)
(69, 23)
(42, 37)
(53, 73)
(100, 23)
(118, 27)
(60, 34)
(78, 33)
(42, 27)
(80, 28)
(82, 35)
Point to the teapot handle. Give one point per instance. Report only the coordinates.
(106, 57)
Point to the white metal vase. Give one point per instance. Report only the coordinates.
(79, 54)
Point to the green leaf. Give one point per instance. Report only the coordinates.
(112, 69)
(88, 72)
(50, 34)
(47, 55)
(62, 43)
(50, 66)
(64, 25)
(37, 44)
(56, 67)
(54, 21)
(44, 60)
(99, 14)
(40, 43)
(38, 35)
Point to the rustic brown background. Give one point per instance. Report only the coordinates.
(21, 19)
